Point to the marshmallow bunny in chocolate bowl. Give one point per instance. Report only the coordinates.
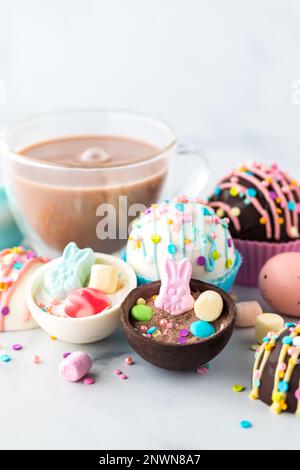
(178, 323)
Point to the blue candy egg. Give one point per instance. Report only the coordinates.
(202, 329)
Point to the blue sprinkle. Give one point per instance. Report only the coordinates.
(18, 265)
(5, 358)
(283, 386)
(287, 340)
(257, 383)
(179, 207)
(172, 249)
(251, 192)
(266, 339)
(245, 424)
(249, 173)
(217, 191)
(290, 324)
(206, 211)
(291, 205)
(151, 330)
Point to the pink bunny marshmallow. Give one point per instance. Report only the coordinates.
(175, 296)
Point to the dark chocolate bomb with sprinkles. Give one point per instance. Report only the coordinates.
(262, 203)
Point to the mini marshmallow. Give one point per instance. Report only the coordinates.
(247, 312)
(75, 366)
(265, 323)
(104, 278)
(209, 305)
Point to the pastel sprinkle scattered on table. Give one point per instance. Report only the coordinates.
(129, 361)
(53, 338)
(117, 372)
(245, 424)
(17, 347)
(36, 359)
(238, 388)
(123, 377)
(5, 358)
(88, 380)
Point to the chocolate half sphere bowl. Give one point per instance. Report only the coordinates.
(177, 356)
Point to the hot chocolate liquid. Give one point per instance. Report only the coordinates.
(59, 211)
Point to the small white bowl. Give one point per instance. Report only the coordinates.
(79, 330)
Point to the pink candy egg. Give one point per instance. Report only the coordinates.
(85, 302)
(279, 283)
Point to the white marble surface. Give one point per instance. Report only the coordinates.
(153, 409)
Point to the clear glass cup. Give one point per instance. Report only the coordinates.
(54, 204)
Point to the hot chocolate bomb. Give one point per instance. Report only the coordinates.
(261, 201)
(276, 371)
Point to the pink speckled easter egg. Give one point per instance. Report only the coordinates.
(279, 283)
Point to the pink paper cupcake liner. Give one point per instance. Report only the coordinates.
(255, 255)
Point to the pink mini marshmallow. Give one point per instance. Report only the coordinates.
(75, 366)
(247, 312)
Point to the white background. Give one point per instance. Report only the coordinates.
(222, 73)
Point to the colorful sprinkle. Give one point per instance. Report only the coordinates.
(263, 221)
(66, 354)
(5, 311)
(53, 338)
(36, 359)
(151, 330)
(297, 394)
(5, 358)
(233, 191)
(215, 255)
(155, 239)
(179, 207)
(172, 249)
(251, 192)
(181, 340)
(202, 370)
(287, 340)
(117, 372)
(129, 361)
(88, 380)
(217, 191)
(291, 205)
(283, 386)
(238, 388)
(17, 347)
(235, 211)
(201, 261)
(18, 265)
(141, 301)
(123, 377)
(245, 424)
(184, 332)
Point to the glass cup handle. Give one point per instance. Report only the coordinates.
(189, 172)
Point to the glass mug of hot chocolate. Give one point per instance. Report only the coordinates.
(83, 175)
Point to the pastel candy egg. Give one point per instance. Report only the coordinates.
(85, 302)
(279, 283)
(208, 306)
(202, 329)
(142, 312)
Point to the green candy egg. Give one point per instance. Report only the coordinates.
(141, 312)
